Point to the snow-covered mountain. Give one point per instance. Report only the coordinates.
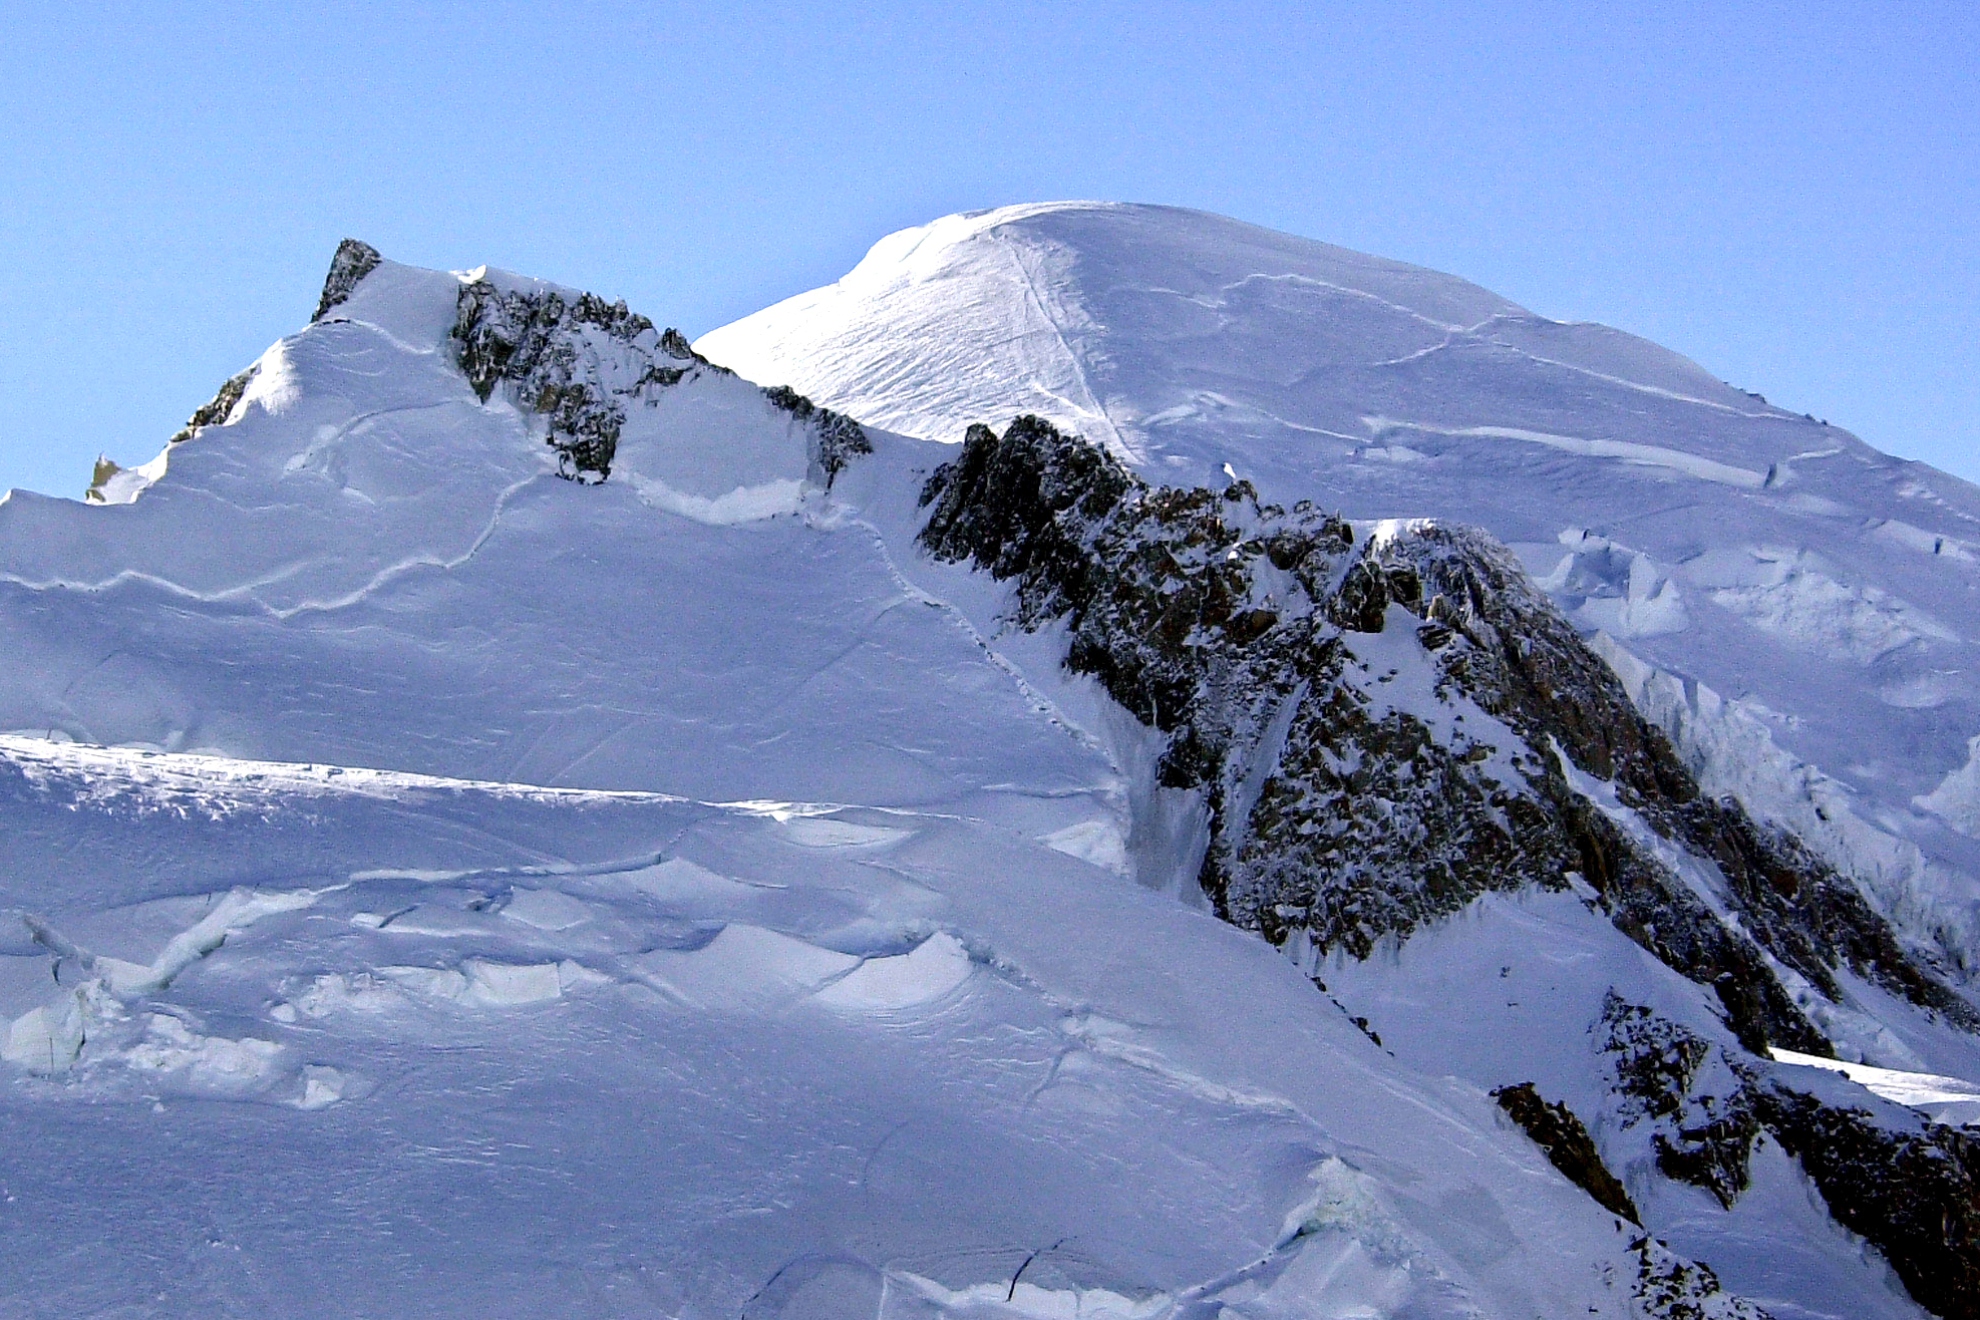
(507, 816)
(1798, 611)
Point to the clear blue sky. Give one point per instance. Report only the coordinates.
(1789, 193)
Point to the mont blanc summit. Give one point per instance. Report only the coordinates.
(1110, 763)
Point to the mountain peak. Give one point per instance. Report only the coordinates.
(352, 262)
(1120, 320)
(528, 791)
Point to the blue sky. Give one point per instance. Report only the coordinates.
(1788, 193)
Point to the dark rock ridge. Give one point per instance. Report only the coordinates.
(547, 348)
(1916, 1193)
(1564, 1137)
(1699, 1107)
(1360, 784)
(99, 479)
(840, 438)
(1909, 1186)
(216, 411)
(579, 361)
(351, 263)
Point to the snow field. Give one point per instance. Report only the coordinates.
(922, 1047)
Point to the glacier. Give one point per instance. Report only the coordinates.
(506, 815)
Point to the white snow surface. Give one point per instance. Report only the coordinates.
(429, 886)
(726, 1069)
(1825, 596)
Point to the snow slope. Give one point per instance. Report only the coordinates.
(411, 1045)
(1796, 609)
(433, 886)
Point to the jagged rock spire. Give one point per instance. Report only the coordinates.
(354, 260)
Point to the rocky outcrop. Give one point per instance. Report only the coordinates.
(1915, 1193)
(1670, 1287)
(1556, 1130)
(578, 362)
(1219, 623)
(351, 263)
(216, 411)
(1358, 788)
(1700, 1108)
(99, 479)
(1909, 1186)
(840, 438)
(547, 347)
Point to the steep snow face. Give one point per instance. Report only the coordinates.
(1812, 600)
